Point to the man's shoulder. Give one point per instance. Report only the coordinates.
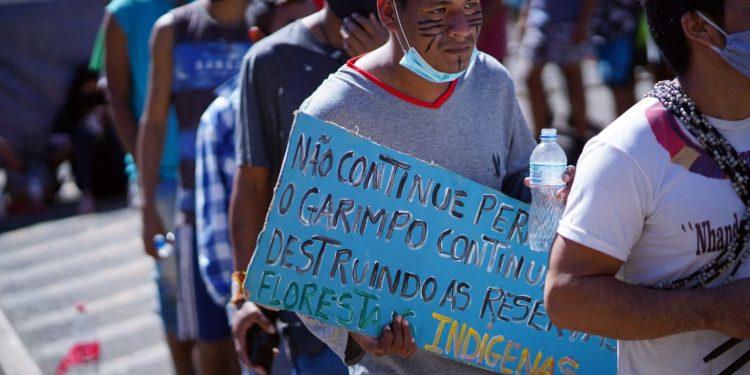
(220, 114)
(279, 42)
(634, 131)
(118, 7)
(135, 7)
(487, 66)
(337, 92)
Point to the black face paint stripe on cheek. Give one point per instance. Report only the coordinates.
(427, 22)
(427, 28)
(434, 36)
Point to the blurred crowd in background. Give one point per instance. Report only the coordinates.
(68, 120)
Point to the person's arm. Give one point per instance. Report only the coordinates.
(154, 126)
(119, 83)
(251, 196)
(581, 283)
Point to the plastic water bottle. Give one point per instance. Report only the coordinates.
(164, 245)
(84, 355)
(547, 164)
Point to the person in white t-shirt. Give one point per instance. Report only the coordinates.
(650, 208)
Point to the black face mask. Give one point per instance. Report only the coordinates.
(344, 8)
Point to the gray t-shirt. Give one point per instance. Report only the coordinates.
(278, 73)
(475, 129)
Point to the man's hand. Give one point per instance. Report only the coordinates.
(243, 319)
(362, 34)
(151, 225)
(568, 176)
(396, 339)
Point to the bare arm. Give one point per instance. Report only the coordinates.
(119, 83)
(581, 282)
(251, 196)
(153, 126)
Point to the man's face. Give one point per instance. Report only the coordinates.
(444, 32)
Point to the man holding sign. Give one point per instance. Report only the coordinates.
(278, 73)
(429, 93)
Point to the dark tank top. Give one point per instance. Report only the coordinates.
(205, 55)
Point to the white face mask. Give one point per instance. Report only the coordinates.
(413, 61)
(736, 51)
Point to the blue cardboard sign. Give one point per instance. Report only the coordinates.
(357, 232)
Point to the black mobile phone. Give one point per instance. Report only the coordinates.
(345, 8)
(260, 346)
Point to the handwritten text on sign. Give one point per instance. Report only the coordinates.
(357, 232)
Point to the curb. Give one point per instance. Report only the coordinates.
(14, 358)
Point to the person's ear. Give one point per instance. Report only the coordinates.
(387, 15)
(254, 33)
(698, 30)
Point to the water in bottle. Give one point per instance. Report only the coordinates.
(547, 164)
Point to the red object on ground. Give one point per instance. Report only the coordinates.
(80, 353)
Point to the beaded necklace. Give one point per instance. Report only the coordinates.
(735, 167)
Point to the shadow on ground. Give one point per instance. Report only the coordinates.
(56, 212)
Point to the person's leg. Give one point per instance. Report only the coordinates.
(166, 278)
(538, 99)
(217, 357)
(577, 98)
(616, 63)
(215, 347)
(534, 49)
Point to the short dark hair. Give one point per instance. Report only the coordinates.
(665, 23)
(260, 13)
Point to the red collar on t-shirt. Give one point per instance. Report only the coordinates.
(434, 105)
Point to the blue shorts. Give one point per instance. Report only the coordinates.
(616, 60)
(165, 274)
(199, 317)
